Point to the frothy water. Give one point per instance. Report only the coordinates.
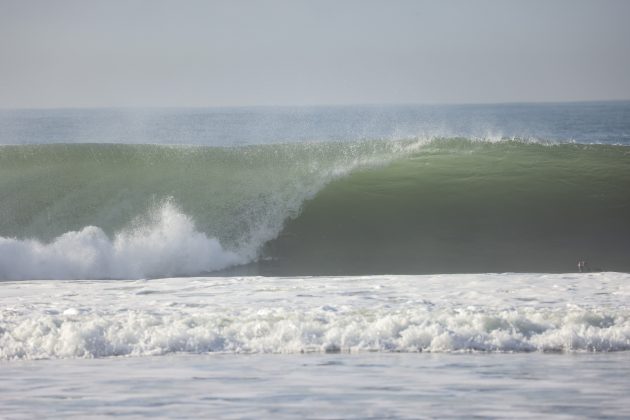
(446, 313)
(166, 244)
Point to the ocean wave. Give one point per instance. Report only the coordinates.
(120, 211)
(461, 206)
(420, 205)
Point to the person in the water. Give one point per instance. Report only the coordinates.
(583, 266)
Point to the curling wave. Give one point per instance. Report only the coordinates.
(465, 206)
(367, 207)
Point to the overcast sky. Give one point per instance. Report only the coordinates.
(75, 53)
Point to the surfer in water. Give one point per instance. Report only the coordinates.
(583, 266)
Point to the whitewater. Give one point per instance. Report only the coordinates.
(324, 262)
(438, 313)
(496, 345)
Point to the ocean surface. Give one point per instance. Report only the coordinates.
(321, 262)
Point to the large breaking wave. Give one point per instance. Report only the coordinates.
(411, 206)
(121, 211)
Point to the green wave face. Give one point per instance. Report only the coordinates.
(242, 196)
(460, 206)
(449, 205)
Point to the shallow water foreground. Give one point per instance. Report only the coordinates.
(488, 345)
(398, 385)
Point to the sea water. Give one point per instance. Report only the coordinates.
(507, 345)
(373, 385)
(400, 261)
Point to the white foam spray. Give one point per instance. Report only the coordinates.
(435, 313)
(165, 245)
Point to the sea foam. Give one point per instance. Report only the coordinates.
(166, 245)
(447, 313)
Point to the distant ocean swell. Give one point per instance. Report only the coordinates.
(410, 206)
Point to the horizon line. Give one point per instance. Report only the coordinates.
(321, 105)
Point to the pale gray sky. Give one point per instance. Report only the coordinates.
(74, 53)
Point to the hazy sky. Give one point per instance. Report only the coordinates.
(73, 53)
